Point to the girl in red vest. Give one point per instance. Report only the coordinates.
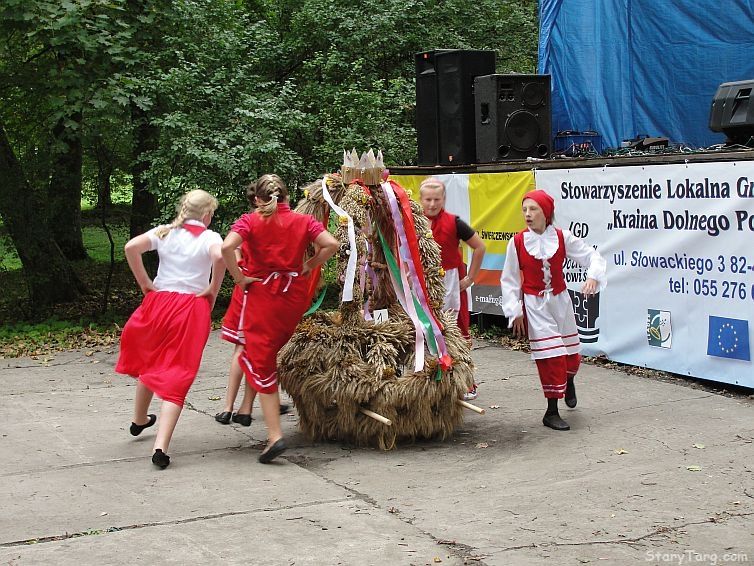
(277, 289)
(534, 268)
(163, 340)
(449, 230)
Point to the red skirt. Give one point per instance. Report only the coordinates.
(232, 329)
(163, 341)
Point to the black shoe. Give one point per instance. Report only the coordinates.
(224, 417)
(136, 429)
(160, 459)
(570, 394)
(555, 422)
(273, 452)
(284, 409)
(243, 420)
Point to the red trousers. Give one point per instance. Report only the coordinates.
(554, 373)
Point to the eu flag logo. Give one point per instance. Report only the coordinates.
(728, 338)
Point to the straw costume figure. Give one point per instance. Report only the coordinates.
(389, 364)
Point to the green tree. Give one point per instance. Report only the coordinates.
(211, 93)
(48, 274)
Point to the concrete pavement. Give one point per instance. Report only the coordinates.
(651, 473)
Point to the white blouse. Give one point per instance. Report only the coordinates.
(543, 246)
(185, 259)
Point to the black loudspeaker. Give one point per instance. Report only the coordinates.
(513, 116)
(445, 104)
(732, 111)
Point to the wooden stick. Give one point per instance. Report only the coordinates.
(470, 406)
(375, 416)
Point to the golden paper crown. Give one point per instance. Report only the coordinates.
(368, 168)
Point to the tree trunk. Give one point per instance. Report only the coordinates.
(64, 194)
(105, 168)
(46, 270)
(104, 173)
(143, 202)
(104, 193)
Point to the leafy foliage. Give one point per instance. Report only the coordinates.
(230, 89)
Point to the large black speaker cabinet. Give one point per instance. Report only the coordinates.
(513, 117)
(733, 111)
(445, 104)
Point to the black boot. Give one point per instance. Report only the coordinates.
(570, 394)
(552, 417)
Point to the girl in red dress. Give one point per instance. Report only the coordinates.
(232, 331)
(277, 286)
(162, 342)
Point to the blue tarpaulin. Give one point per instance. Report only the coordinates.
(643, 67)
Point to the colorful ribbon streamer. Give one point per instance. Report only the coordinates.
(412, 261)
(403, 294)
(350, 275)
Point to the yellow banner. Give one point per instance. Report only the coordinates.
(495, 205)
(490, 203)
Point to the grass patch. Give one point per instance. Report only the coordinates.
(93, 234)
(97, 243)
(80, 324)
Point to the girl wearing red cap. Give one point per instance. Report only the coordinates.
(534, 268)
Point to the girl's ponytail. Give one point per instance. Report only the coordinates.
(270, 189)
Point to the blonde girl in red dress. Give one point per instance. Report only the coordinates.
(277, 286)
(163, 340)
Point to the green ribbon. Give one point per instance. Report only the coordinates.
(318, 302)
(420, 313)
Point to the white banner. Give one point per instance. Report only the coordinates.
(678, 244)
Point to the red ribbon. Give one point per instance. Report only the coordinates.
(413, 242)
(313, 281)
(314, 273)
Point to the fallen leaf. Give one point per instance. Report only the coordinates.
(482, 445)
(694, 468)
(620, 451)
(89, 354)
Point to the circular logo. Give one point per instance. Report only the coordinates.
(727, 338)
